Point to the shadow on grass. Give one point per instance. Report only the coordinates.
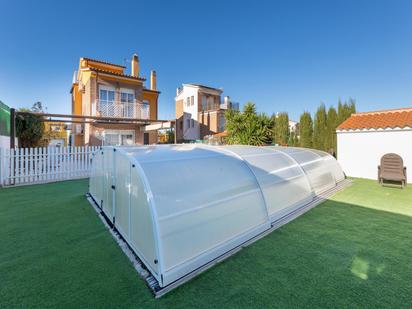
(336, 255)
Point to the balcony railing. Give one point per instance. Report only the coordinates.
(230, 105)
(217, 106)
(117, 109)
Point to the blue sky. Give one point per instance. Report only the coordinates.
(282, 55)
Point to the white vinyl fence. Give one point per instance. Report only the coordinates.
(38, 165)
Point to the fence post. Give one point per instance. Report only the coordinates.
(12, 128)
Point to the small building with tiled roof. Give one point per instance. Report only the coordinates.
(365, 137)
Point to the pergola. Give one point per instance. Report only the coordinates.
(150, 124)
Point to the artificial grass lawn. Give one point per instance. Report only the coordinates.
(352, 251)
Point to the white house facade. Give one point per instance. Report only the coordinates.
(364, 138)
(200, 111)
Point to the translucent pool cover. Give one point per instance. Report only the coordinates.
(180, 207)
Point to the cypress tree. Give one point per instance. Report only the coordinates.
(341, 112)
(319, 128)
(305, 130)
(282, 129)
(291, 141)
(351, 107)
(332, 123)
(345, 110)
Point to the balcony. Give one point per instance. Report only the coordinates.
(216, 106)
(230, 105)
(118, 109)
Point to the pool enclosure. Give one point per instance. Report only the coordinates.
(180, 207)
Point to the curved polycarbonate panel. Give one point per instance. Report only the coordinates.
(117, 187)
(283, 182)
(97, 178)
(181, 206)
(331, 164)
(203, 197)
(122, 196)
(142, 230)
(316, 167)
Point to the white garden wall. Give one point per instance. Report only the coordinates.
(359, 152)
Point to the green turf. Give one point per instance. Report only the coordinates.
(352, 251)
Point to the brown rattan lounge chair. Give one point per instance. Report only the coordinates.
(392, 169)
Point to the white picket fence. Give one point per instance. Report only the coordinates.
(39, 165)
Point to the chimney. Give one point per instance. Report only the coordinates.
(135, 66)
(153, 80)
(226, 101)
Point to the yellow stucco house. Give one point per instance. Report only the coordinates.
(106, 92)
(55, 134)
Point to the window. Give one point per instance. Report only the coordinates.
(145, 110)
(192, 100)
(222, 123)
(119, 137)
(106, 100)
(192, 123)
(210, 103)
(188, 101)
(55, 128)
(188, 123)
(203, 102)
(126, 97)
(107, 96)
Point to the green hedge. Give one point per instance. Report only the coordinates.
(4, 119)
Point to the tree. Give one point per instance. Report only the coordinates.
(248, 127)
(341, 112)
(305, 130)
(281, 129)
(332, 123)
(30, 128)
(319, 128)
(293, 139)
(345, 110)
(351, 107)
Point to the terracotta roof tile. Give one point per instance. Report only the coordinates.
(117, 74)
(396, 118)
(104, 62)
(221, 134)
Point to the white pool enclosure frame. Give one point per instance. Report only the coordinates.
(180, 207)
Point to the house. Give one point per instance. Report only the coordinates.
(56, 133)
(200, 111)
(364, 138)
(121, 100)
(293, 126)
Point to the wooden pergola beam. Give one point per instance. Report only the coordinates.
(91, 117)
(46, 117)
(89, 122)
